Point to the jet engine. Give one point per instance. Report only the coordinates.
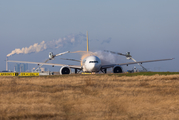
(117, 69)
(65, 70)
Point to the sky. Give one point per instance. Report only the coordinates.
(147, 29)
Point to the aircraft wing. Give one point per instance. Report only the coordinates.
(52, 64)
(71, 59)
(129, 63)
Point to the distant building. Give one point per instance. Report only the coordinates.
(21, 67)
(39, 69)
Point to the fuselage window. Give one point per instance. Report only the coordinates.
(93, 61)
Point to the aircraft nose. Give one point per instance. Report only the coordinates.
(93, 67)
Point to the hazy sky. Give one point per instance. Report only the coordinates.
(148, 29)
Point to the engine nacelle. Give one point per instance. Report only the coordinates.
(117, 69)
(65, 70)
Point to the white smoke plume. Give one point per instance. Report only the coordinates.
(68, 40)
(109, 58)
(33, 48)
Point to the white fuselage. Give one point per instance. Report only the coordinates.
(91, 64)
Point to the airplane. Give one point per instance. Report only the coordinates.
(89, 63)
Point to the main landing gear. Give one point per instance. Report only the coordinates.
(104, 71)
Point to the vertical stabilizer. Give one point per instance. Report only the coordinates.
(87, 41)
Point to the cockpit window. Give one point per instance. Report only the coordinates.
(93, 61)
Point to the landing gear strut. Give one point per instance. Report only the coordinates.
(104, 70)
(77, 71)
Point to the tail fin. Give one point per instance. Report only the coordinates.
(87, 41)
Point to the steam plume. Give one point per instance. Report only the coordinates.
(33, 48)
(70, 39)
(108, 58)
